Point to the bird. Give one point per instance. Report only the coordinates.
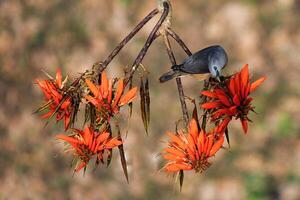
(205, 63)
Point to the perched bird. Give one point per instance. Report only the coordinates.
(202, 64)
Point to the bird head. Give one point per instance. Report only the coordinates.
(215, 69)
(217, 61)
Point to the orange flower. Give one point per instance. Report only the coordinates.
(232, 99)
(89, 143)
(105, 99)
(55, 102)
(192, 150)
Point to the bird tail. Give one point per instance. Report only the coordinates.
(170, 74)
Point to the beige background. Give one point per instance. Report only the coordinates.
(42, 34)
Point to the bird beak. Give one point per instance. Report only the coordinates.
(218, 73)
(218, 76)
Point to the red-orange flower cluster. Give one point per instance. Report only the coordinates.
(105, 99)
(55, 101)
(232, 99)
(192, 150)
(89, 143)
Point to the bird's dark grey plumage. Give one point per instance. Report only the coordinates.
(209, 60)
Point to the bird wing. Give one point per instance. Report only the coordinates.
(198, 62)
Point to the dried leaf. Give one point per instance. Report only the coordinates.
(130, 104)
(227, 137)
(56, 109)
(122, 154)
(147, 98)
(143, 105)
(181, 179)
(109, 157)
(195, 114)
(43, 107)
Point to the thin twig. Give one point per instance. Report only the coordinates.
(178, 80)
(127, 39)
(179, 41)
(153, 35)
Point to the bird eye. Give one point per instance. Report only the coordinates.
(215, 68)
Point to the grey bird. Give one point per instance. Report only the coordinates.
(201, 65)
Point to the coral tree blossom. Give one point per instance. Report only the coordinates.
(105, 99)
(192, 150)
(54, 95)
(232, 99)
(88, 143)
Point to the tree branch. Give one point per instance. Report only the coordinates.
(179, 41)
(153, 35)
(178, 80)
(120, 46)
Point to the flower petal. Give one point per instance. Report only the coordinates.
(221, 128)
(103, 137)
(104, 85)
(211, 105)
(171, 157)
(257, 83)
(236, 100)
(58, 78)
(113, 143)
(244, 125)
(193, 129)
(92, 88)
(109, 98)
(216, 146)
(232, 86)
(209, 145)
(67, 120)
(209, 94)
(79, 167)
(175, 152)
(176, 140)
(171, 168)
(223, 97)
(184, 166)
(118, 93)
(65, 104)
(201, 141)
(92, 100)
(47, 115)
(128, 97)
(245, 76)
(67, 138)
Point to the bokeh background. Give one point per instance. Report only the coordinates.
(40, 35)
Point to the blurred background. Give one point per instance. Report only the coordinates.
(38, 35)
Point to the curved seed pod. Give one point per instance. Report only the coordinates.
(143, 105)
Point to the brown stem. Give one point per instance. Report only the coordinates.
(153, 35)
(178, 80)
(127, 39)
(205, 113)
(179, 41)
